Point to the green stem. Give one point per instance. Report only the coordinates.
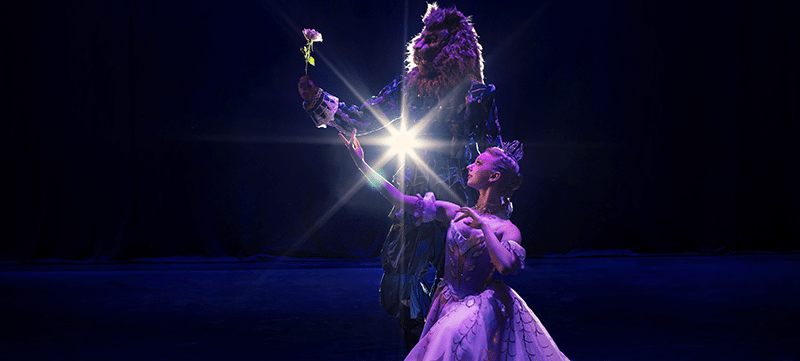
(307, 53)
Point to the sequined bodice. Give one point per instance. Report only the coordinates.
(468, 267)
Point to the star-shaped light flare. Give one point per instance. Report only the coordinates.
(402, 141)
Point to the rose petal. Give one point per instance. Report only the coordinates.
(312, 35)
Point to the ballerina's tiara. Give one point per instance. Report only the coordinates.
(513, 150)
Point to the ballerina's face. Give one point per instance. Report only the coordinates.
(482, 172)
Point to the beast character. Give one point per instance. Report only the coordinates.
(445, 95)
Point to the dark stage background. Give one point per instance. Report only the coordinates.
(150, 129)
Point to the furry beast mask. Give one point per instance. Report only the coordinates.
(459, 60)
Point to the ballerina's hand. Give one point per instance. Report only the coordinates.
(477, 221)
(356, 152)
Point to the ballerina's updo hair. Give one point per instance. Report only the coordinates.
(507, 163)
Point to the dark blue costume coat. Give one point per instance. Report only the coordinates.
(457, 127)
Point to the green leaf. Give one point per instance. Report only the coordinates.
(311, 60)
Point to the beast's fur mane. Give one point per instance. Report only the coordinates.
(459, 61)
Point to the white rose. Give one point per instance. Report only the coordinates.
(312, 35)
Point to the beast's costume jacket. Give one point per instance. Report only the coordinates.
(456, 127)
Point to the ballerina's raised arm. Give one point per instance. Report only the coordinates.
(445, 211)
(488, 217)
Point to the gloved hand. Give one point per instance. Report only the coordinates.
(307, 88)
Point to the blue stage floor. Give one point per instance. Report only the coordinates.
(744, 307)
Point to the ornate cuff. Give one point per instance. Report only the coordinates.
(425, 208)
(322, 108)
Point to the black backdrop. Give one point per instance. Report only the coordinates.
(149, 129)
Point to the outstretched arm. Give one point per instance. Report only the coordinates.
(445, 211)
(386, 188)
(326, 109)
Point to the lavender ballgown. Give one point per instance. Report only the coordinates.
(474, 317)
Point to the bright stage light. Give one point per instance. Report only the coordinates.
(402, 142)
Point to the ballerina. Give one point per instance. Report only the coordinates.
(472, 316)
